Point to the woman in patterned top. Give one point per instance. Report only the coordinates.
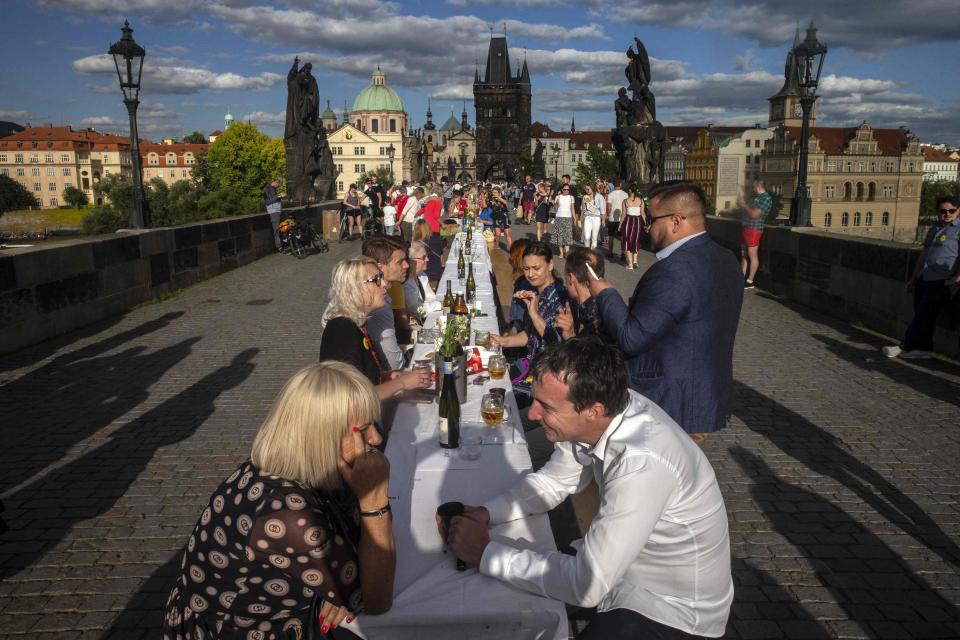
(543, 304)
(306, 517)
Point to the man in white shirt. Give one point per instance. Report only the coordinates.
(655, 561)
(615, 200)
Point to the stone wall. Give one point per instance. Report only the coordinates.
(50, 289)
(854, 279)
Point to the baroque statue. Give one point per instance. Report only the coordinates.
(311, 174)
(639, 138)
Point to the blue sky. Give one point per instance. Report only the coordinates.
(891, 62)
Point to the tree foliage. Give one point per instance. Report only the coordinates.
(384, 178)
(14, 195)
(75, 197)
(244, 160)
(195, 138)
(598, 164)
(931, 191)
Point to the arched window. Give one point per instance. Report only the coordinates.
(827, 219)
(856, 218)
(845, 219)
(885, 218)
(871, 191)
(859, 191)
(847, 190)
(868, 221)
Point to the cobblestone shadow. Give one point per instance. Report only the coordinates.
(858, 572)
(44, 511)
(826, 455)
(52, 408)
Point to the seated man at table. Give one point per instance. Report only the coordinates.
(655, 561)
(388, 324)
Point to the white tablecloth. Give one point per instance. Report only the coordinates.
(430, 595)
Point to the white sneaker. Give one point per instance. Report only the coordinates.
(916, 354)
(891, 351)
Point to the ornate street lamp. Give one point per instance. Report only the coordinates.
(556, 160)
(128, 58)
(391, 151)
(809, 56)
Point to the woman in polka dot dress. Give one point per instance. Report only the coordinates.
(306, 517)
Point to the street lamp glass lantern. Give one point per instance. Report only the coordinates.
(391, 151)
(128, 59)
(810, 54)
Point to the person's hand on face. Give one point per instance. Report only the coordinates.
(363, 468)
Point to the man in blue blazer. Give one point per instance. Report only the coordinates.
(677, 334)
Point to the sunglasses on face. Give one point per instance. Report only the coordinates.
(651, 219)
(949, 211)
(376, 279)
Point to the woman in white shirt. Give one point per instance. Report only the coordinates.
(594, 210)
(631, 226)
(563, 222)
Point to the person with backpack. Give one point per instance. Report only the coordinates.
(271, 200)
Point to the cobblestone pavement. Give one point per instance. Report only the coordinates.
(839, 470)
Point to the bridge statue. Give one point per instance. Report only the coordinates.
(638, 138)
(311, 174)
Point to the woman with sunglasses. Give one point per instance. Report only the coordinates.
(631, 225)
(357, 288)
(563, 221)
(300, 534)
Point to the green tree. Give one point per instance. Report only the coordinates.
(103, 220)
(14, 195)
(384, 178)
(75, 197)
(244, 160)
(931, 191)
(117, 191)
(195, 138)
(200, 172)
(598, 163)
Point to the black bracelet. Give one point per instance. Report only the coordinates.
(376, 513)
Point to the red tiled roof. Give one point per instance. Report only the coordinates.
(578, 139)
(935, 155)
(64, 138)
(162, 150)
(833, 139)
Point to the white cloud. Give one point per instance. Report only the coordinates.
(167, 76)
(14, 115)
(453, 92)
(262, 118)
(101, 121)
(746, 61)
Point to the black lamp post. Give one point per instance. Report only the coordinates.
(128, 58)
(809, 56)
(556, 160)
(391, 151)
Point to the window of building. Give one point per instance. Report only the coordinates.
(51, 172)
(66, 171)
(859, 191)
(393, 125)
(33, 145)
(19, 145)
(849, 166)
(35, 171)
(359, 151)
(64, 157)
(827, 219)
(5, 171)
(845, 219)
(339, 168)
(871, 191)
(53, 202)
(383, 151)
(831, 165)
(861, 166)
(51, 186)
(856, 218)
(21, 172)
(868, 220)
(34, 158)
(18, 158)
(37, 186)
(375, 126)
(888, 191)
(830, 191)
(873, 166)
(359, 168)
(339, 185)
(890, 166)
(847, 190)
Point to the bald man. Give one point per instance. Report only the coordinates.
(678, 331)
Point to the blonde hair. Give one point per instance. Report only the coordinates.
(347, 290)
(300, 439)
(421, 230)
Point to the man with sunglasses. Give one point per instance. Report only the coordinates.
(934, 281)
(678, 331)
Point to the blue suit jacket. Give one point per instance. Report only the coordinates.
(677, 334)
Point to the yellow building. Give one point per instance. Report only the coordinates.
(700, 166)
(48, 159)
(356, 153)
(169, 161)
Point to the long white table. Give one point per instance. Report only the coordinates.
(430, 595)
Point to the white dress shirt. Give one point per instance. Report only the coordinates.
(664, 253)
(659, 545)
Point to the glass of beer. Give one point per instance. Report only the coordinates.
(482, 339)
(497, 366)
(491, 408)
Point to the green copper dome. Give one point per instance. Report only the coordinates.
(328, 113)
(378, 96)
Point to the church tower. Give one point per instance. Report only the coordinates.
(502, 101)
(785, 106)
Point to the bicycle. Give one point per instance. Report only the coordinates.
(301, 237)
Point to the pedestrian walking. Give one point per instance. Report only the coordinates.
(631, 225)
(271, 200)
(594, 211)
(751, 229)
(563, 221)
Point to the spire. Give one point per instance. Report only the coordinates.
(463, 118)
(429, 124)
(524, 72)
(573, 123)
(498, 62)
(796, 36)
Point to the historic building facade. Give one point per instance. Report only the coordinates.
(938, 166)
(562, 151)
(169, 161)
(738, 165)
(502, 102)
(48, 159)
(452, 146)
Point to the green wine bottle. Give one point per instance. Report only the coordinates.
(471, 287)
(449, 408)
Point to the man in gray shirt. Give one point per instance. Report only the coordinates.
(391, 256)
(934, 282)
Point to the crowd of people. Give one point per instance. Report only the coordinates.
(620, 392)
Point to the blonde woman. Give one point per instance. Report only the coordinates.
(357, 288)
(305, 519)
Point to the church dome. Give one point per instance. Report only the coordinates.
(328, 113)
(378, 96)
(452, 124)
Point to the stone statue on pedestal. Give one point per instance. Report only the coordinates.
(311, 174)
(639, 137)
